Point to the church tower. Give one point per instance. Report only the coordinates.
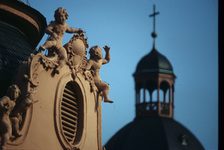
(154, 126)
(154, 82)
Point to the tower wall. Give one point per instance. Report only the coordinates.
(21, 28)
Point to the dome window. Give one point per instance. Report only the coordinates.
(183, 139)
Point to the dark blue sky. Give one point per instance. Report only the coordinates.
(187, 36)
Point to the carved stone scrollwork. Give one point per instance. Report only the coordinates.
(77, 45)
(89, 77)
(33, 66)
(48, 63)
(73, 148)
(76, 50)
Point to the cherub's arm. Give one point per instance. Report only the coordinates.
(107, 56)
(3, 101)
(73, 30)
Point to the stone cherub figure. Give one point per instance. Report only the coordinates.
(16, 116)
(56, 30)
(94, 64)
(7, 103)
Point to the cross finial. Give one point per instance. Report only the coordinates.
(154, 35)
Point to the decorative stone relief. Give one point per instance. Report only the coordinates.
(76, 50)
(56, 30)
(33, 65)
(13, 109)
(14, 105)
(89, 77)
(19, 98)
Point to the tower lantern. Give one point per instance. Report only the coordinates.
(154, 82)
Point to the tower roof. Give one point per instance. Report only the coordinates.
(154, 62)
(157, 133)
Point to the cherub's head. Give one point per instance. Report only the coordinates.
(13, 92)
(95, 52)
(60, 15)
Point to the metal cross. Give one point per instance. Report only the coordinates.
(154, 17)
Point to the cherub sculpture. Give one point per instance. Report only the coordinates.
(56, 30)
(7, 103)
(94, 64)
(16, 116)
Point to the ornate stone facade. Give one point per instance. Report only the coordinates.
(58, 106)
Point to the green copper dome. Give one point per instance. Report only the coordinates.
(154, 62)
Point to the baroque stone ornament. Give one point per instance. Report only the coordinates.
(69, 92)
(13, 109)
(89, 77)
(94, 64)
(56, 30)
(76, 51)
